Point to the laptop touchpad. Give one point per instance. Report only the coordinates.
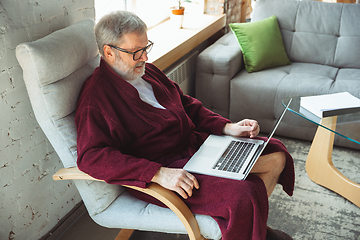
(210, 151)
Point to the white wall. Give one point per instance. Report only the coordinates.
(31, 203)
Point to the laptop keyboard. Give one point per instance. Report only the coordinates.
(234, 156)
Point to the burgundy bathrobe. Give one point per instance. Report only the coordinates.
(123, 140)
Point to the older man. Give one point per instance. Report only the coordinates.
(135, 126)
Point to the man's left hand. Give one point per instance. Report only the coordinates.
(244, 128)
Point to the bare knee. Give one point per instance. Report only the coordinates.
(269, 169)
(273, 163)
(279, 162)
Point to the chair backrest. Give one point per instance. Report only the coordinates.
(54, 69)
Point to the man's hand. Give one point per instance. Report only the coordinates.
(177, 180)
(244, 128)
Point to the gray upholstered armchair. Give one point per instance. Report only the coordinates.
(54, 69)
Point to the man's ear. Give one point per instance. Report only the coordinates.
(109, 54)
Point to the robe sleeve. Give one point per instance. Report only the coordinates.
(99, 142)
(204, 119)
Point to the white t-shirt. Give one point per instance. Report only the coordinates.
(146, 92)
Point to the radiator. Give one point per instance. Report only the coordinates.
(184, 74)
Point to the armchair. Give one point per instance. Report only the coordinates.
(54, 69)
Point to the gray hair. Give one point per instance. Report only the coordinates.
(112, 27)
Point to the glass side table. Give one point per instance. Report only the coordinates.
(319, 166)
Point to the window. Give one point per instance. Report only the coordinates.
(103, 7)
(151, 12)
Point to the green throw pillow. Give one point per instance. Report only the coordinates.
(261, 44)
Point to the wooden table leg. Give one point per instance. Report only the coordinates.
(320, 168)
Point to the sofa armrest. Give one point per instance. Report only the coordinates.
(216, 66)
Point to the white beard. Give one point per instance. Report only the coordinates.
(126, 72)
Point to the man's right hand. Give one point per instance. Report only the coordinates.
(176, 179)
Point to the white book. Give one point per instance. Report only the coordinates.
(331, 104)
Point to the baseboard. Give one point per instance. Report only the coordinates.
(66, 222)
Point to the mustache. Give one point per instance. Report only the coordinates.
(140, 64)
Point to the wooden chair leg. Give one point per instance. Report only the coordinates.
(169, 198)
(124, 234)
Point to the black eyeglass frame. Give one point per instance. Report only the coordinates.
(133, 53)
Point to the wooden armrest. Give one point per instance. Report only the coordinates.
(169, 198)
(72, 173)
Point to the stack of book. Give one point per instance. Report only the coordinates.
(331, 104)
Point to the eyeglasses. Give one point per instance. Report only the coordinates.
(137, 54)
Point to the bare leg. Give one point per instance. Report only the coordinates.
(268, 168)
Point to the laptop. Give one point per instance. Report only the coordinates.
(229, 157)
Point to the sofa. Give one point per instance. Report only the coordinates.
(322, 42)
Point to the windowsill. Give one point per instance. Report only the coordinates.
(170, 44)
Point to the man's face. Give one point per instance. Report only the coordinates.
(124, 64)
